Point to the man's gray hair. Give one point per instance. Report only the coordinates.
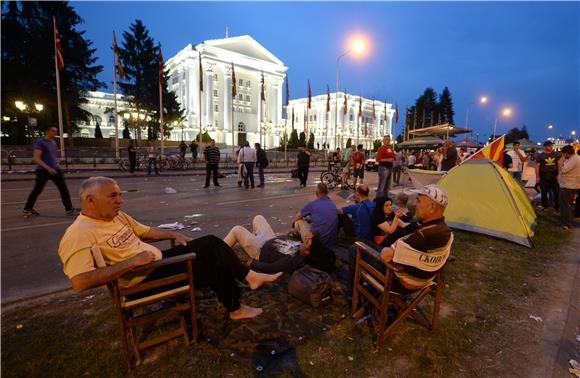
(92, 183)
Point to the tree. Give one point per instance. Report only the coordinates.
(140, 84)
(446, 106)
(516, 134)
(302, 139)
(28, 62)
(98, 132)
(399, 138)
(311, 141)
(293, 141)
(348, 142)
(376, 144)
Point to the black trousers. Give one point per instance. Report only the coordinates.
(303, 174)
(41, 178)
(549, 183)
(152, 162)
(216, 266)
(249, 174)
(132, 162)
(209, 169)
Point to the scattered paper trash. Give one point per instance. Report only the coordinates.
(195, 229)
(536, 318)
(578, 338)
(88, 297)
(575, 364)
(19, 326)
(350, 358)
(170, 190)
(311, 363)
(259, 368)
(193, 216)
(172, 226)
(273, 352)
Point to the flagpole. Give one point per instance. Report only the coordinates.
(117, 155)
(161, 115)
(58, 99)
(200, 94)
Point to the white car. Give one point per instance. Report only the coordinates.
(371, 164)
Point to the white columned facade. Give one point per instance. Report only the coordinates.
(227, 106)
(209, 71)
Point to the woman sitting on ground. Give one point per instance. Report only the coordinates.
(387, 223)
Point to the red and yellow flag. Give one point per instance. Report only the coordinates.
(118, 58)
(327, 99)
(234, 87)
(200, 74)
(309, 96)
(374, 115)
(161, 66)
(396, 112)
(345, 109)
(493, 151)
(57, 47)
(262, 95)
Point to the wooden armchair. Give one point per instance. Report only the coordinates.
(372, 288)
(136, 307)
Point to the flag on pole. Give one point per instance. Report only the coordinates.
(396, 112)
(327, 98)
(309, 96)
(360, 106)
(200, 74)
(345, 107)
(118, 58)
(234, 88)
(374, 109)
(385, 110)
(58, 49)
(287, 91)
(262, 95)
(493, 151)
(161, 65)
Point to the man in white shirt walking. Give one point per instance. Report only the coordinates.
(247, 157)
(569, 180)
(518, 159)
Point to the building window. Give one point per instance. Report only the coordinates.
(248, 83)
(241, 97)
(112, 119)
(215, 93)
(247, 98)
(216, 108)
(241, 127)
(351, 117)
(215, 77)
(315, 117)
(85, 133)
(240, 82)
(216, 123)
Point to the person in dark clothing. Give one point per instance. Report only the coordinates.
(212, 160)
(547, 174)
(48, 169)
(390, 224)
(449, 156)
(182, 149)
(132, 151)
(303, 165)
(507, 160)
(193, 148)
(261, 163)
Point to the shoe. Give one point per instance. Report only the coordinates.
(216, 185)
(29, 213)
(261, 186)
(253, 186)
(73, 211)
(239, 184)
(206, 186)
(541, 208)
(566, 228)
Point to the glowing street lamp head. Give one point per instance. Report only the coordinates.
(358, 46)
(20, 105)
(483, 99)
(550, 127)
(507, 112)
(38, 107)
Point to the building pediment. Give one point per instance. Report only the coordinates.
(243, 45)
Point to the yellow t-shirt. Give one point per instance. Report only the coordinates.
(118, 240)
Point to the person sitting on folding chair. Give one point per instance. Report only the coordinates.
(423, 252)
(118, 236)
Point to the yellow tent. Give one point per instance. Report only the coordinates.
(485, 198)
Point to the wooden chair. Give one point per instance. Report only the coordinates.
(134, 311)
(372, 288)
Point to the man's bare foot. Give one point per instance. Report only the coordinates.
(245, 312)
(255, 279)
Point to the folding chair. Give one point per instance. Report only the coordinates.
(372, 288)
(135, 312)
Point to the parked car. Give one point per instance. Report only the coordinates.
(371, 164)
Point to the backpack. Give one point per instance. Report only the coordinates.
(311, 286)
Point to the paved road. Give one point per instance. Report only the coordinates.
(30, 263)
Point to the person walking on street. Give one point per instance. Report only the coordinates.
(397, 167)
(518, 159)
(449, 159)
(569, 180)
(303, 164)
(152, 156)
(385, 158)
(547, 174)
(358, 163)
(132, 156)
(182, 149)
(47, 169)
(193, 148)
(247, 157)
(212, 160)
(261, 162)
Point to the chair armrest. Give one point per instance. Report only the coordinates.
(167, 261)
(377, 255)
(152, 241)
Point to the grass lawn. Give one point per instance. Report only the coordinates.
(491, 288)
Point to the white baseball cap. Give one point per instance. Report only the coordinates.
(436, 193)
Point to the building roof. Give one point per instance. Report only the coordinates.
(443, 129)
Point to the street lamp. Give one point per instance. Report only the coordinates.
(506, 112)
(30, 121)
(482, 100)
(358, 46)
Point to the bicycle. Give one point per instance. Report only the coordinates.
(333, 177)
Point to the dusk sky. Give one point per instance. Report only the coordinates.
(525, 55)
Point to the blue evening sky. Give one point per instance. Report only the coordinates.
(525, 55)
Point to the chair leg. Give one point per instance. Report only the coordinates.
(383, 317)
(354, 306)
(192, 302)
(436, 305)
(124, 341)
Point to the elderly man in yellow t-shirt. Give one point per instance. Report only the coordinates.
(102, 222)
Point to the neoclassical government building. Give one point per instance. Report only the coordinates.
(252, 119)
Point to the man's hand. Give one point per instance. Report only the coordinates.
(52, 171)
(143, 258)
(181, 239)
(387, 254)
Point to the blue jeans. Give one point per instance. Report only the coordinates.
(384, 181)
(517, 175)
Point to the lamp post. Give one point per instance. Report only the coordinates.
(358, 46)
(506, 112)
(30, 121)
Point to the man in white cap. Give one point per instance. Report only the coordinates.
(422, 253)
